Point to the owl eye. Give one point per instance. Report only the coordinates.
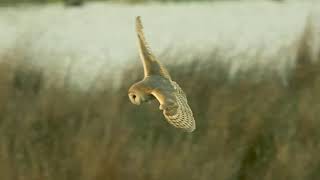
(134, 96)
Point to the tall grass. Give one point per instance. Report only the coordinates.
(246, 128)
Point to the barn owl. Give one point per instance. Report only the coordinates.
(157, 84)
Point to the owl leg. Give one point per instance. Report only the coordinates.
(169, 107)
(166, 99)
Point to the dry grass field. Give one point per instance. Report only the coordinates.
(253, 126)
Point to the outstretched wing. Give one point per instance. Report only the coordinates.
(175, 108)
(150, 65)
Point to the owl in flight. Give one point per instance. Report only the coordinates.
(157, 84)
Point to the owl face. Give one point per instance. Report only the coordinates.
(138, 95)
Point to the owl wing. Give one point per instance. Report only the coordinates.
(150, 64)
(175, 107)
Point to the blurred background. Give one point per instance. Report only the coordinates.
(250, 69)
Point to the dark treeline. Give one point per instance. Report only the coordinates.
(81, 2)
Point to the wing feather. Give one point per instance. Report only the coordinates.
(176, 108)
(150, 64)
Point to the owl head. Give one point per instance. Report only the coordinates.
(138, 94)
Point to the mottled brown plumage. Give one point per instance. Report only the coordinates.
(157, 83)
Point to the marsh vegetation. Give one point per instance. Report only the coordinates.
(255, 123)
